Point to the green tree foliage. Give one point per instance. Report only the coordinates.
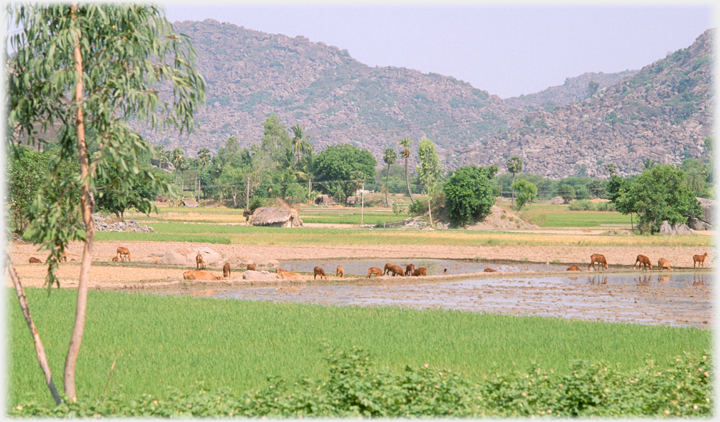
(87, 70)
(596, 188)
(514, 166)
(469, 194)
(581, 192)
(657, 194)
(567, 192)
(389, 157)
(118, 191)
(695, 176)
(429, 170)
(337, 163)
(526, 193)
(277, 144)
(611, 169)
(27, 175)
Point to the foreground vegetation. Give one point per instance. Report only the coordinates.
(203, 344)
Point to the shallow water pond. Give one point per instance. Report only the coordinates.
(434, 266)
(668, 299)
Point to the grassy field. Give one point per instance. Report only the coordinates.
(192, 343)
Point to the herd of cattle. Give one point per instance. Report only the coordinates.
(123, 254)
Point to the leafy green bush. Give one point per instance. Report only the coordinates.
(356, 388)
(469, 194)
(257, 202)
(586, 205)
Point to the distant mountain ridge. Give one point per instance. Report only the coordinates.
(251, 74)
(664, 113)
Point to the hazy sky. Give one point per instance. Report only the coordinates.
(508, 51)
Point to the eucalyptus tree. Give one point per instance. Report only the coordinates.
(88, 70)
(405, 142)
(514, 165)
(429, 170)
(389, 157)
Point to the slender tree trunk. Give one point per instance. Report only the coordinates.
(182, 181)
(387, 188)
(512, 202)
(39, 349)
(86, 205)
(430, 208)
(407, 180)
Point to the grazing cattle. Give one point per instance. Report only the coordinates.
(600, 259)
(251, 267)
(34, 260)
(644, 261)
(699, 259)
(199, 275)
(394, 269)
(340, 272)
(123, 253)
(317, 271)
(226, 270)
(377, 271)
(663, 264)
(63, 257)
(573, 268)
(489, 270)
(420, 271)
(409, 269)
(200, 262)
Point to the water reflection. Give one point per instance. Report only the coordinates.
(597, 279)
(698, 279)
(642, 280)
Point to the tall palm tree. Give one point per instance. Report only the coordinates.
(389, 156)
(514, 165)
(203, 159)
(177, 155)
(405, 142)
(299, 142)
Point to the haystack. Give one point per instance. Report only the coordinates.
(325, 200)
(276, 217)
(189, 202)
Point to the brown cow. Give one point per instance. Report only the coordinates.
(395, 269)
(123, 253)
(699, 259)
(199, 275)
(373, 270)
(663, 264)
(34, 260)
(420, 271)
(226, 270)
(489, 270)
(317, 271)
(251, 267)
(409, 269)
(115, 259)
(200, 262)
(340, 272)
(573, 268)
(644, 261)
(63, 257)
(600, 259)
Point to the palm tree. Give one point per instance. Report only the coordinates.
(389, 156)
(160, 154)
(514, 165)
(648, 164)
(203, 159)
(299, 142)
(177, 155)
(406, 153)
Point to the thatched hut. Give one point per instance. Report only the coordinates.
(276, 217)
(325, 200)
(189, 202)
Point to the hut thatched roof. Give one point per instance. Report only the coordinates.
(325, 200)
(267, 216)
(189, 202)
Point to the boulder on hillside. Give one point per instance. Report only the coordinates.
(708, 208)
(697, 224)
(668, 229)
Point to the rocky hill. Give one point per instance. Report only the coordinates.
(660, 112)
(251, 75)
(664, 112)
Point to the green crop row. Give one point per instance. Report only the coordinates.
(193, 343)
